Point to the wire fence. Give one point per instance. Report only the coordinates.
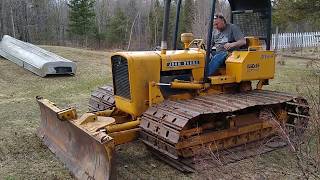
(295, 40)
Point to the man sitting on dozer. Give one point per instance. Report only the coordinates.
(226, 37)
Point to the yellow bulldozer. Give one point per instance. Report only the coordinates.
(167, 100)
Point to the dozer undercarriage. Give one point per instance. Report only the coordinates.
(186, 128)
(177, 131)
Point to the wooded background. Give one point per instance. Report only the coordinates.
(129, 24)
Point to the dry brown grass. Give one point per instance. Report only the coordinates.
(22, 156)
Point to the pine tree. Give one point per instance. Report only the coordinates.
(185, 20)
(171, 25)
(99, 36)
(81, 18)
(156, 23)
(296, 13)
(117, 28)
(187, 16)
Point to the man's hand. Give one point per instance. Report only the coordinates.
(229, 46)
(237, 44)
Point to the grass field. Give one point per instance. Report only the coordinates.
(22, 155)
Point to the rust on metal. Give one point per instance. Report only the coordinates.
(102, 99)
(178, 130)
(88, 155)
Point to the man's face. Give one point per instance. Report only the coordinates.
(219, 24)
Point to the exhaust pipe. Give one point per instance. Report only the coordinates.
(164, 45)
(177, 25)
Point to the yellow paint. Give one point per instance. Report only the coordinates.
(67, 114)
(87, 118)
(198, 74)
(186, 85)
(180, 96)
(155, 95)
(125, 136)
(144, 67)
(107, 112)
(187, 57)
(253, 43)
(222, 79)
(62, 114)
(123, 126)
(186, 38)
(251, 65)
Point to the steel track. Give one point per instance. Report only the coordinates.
(162, 125)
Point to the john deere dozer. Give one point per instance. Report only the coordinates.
(167, 100)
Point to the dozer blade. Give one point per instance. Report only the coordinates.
(87, 155)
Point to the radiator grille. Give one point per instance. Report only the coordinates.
(120, 76)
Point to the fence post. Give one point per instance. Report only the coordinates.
(294, 40)
(276, 39)
(301, 42)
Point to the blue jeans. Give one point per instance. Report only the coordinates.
(216, 61)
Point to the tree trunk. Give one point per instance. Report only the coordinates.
(12, 23)
(131, 30)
